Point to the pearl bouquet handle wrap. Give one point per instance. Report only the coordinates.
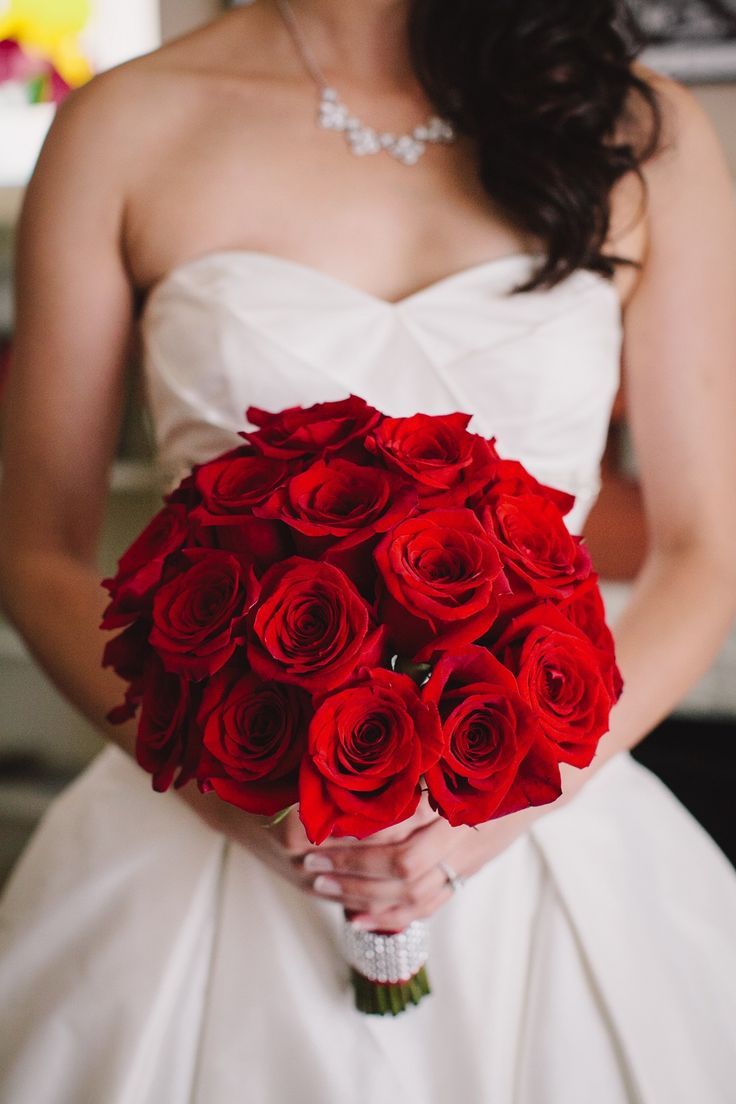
(388, 969)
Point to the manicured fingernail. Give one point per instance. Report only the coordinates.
(327, 886)
(313, 861)
(362, 925)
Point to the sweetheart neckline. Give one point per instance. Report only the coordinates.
(262, 256)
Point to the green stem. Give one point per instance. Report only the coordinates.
(378, 998)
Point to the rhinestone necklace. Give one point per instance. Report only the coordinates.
(361, 139)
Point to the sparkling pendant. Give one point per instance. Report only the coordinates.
(364, 140)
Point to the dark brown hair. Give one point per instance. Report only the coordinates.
(542, 86)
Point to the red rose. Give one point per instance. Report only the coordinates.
(338, 499)
(185, 492)
(255, 734)
(166, 739)
(262, 541)
(560, 674)
(443, 578)
(311, 627)
(584, 607)
(140, 567)
(231, 485)
(199, 614)
(509, 477)
(368, 746)
(447, 463)
(489, 733)
(535, 544)
(314, 431)
(126, 653)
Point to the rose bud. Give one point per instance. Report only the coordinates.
(231, 485)
(489, 765)
(447, 463)
(341, 501)
(535, 546)
(443, 577)
(584, 607)
(126, 653)
(199, 614)
(166, 738)
(311, 627)
(254, 736)
(510, 477)
(368, 746)
(141, 565)
(560, 674)
(315, 431)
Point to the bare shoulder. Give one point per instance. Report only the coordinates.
(687, 132)
(126, 110)
(683, 171)
(690, 190)
(97, 113)
(104, 121)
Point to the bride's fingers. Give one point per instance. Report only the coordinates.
(406, 860)
(379, 894)
(395, 920)
(399, 917)
(353, 904)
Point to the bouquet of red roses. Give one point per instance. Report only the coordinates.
(349, 608)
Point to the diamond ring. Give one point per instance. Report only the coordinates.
(452, 876)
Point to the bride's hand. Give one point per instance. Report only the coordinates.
(394, 877)
(285, 847)
(388, 879)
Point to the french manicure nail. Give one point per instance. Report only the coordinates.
(313, 861)
(327, 886)
(362, 925)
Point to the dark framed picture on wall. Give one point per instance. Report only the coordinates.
(692, 40)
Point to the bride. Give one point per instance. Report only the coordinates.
(170, 948)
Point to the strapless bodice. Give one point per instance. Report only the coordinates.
(538, 370)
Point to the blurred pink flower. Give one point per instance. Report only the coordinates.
(58, 86)
(15, 63)
(20, 67)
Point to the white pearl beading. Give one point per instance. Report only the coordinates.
(387, 958)
(363, 140)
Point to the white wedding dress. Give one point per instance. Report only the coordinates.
(146, 961)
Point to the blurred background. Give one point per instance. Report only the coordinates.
(48, 47)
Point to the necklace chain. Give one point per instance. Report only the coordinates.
(307, 55)
(362, 139)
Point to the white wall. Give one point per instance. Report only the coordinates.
(120, 31)
(117, 31)
(178, 16)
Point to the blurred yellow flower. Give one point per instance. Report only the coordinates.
(50, 28)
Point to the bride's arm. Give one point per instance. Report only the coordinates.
(62, 406)
(679, 357)
(63, 398)
(680, 363)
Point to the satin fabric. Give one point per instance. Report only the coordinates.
(145, 960)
